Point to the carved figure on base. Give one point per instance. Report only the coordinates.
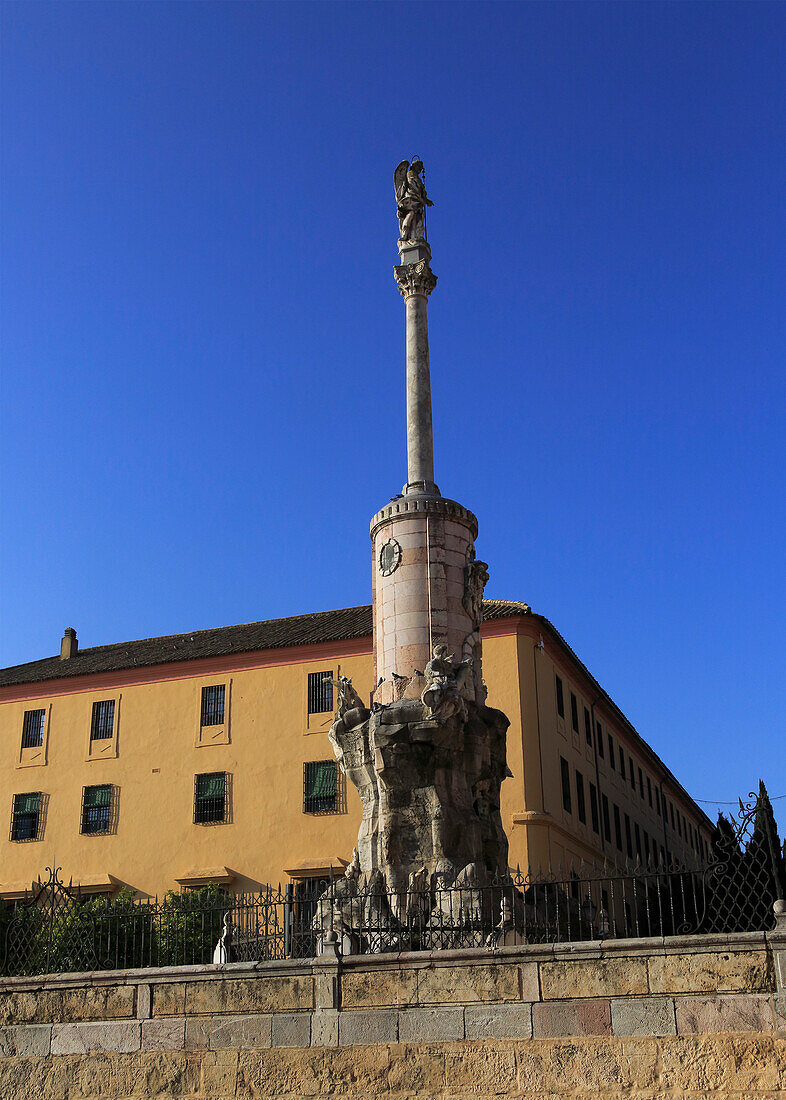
(411, 200)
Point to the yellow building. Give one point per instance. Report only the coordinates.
(174, 761)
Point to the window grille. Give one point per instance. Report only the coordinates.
(33, 729)
(103, 720)
(580, 807)
(320, 692)
(210, 790)
(97, 809)
(560, 698)
(25, 816)
(574, 712)
(320, 787)
(566, 805)
(587, 726)
(213, 705)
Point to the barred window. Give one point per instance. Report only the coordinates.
(560, 698)
(213, 705)
(320, 787)
(33, 729)
(210, 797)
(25, 816)
(565, 770)
(97, 809)
(103, 720)
(320, 692)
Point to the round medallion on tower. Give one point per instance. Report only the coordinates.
(389, 557)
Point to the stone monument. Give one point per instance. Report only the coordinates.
(428, 756)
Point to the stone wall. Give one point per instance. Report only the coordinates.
(693, 1017)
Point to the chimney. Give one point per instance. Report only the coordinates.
(69, 644)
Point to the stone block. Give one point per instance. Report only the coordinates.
(66, 1005)
(237, 995)
(606, 977)
(169, 1034)
(571, 1018)
(198, 1032)
(647, 1016)
(368, 1026)
(468, 984)
(168, 999)
(730, 1012)
(501, 1021)
(324, 1028)
(26, 1040)
(292, 1029)
(144, 1000)
(716, 972)
(485, 1070)
(233, 1032)
(430, 1025)
(378, 988)
(121, 1037)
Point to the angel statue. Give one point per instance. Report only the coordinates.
(411, 200)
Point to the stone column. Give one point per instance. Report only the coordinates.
(416, 281)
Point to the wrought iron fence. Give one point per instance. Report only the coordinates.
(55, 928)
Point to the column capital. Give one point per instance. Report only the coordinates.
(415, 278)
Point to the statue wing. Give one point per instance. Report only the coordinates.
(400, 180)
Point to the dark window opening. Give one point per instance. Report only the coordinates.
(606, 820)
(33, 729)
(209, 797)
(611, 753)
(560, 698)
(649, 792)
(594, 808)
(632, 776)
(641, 784)
(646, 846)
(617, 826)
(574, 712)
(580, 807)
(25, 816)
(97, 809)
(628, 838)
(622, 763)
(565, 770)
(587, 726)
(320, 787)
(103, 720)
(213, 705)
(320, 692)
(637, 832)
(657, 801)
(599, 739)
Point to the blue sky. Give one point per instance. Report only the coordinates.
(203, 345)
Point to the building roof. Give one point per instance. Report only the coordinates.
(296, 630)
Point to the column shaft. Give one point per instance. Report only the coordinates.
(420, 443)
